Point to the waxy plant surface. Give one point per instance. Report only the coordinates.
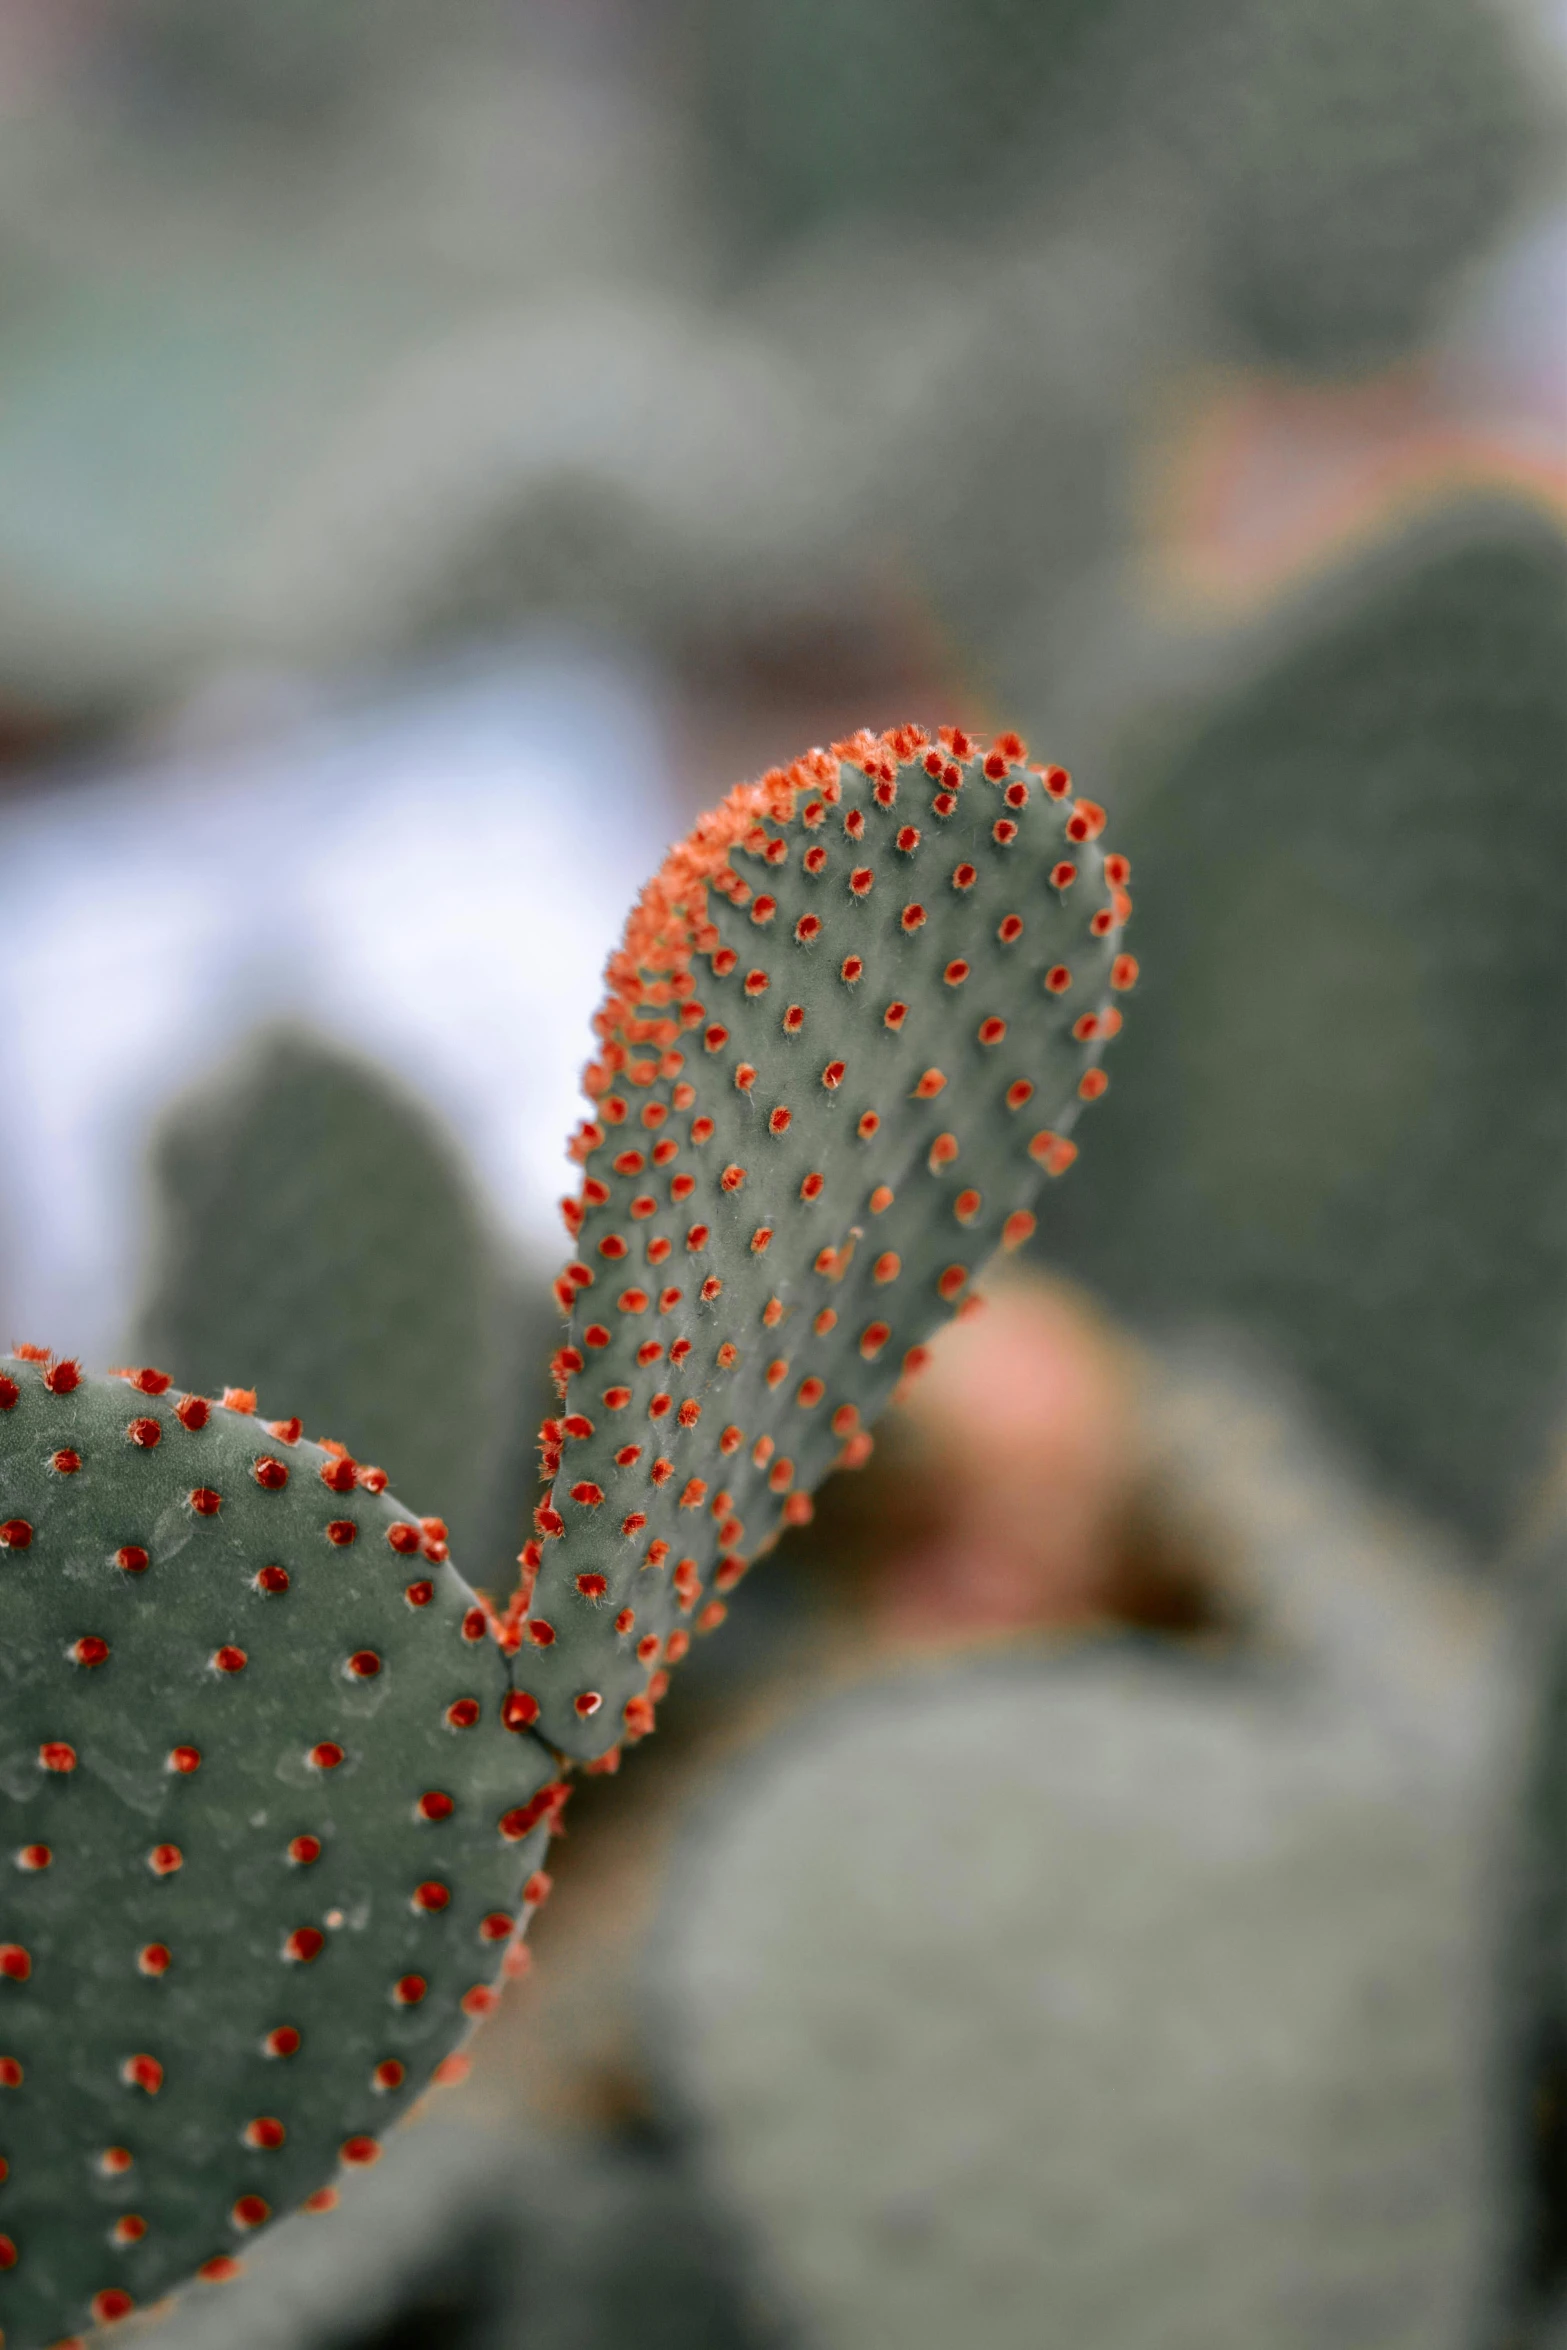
(275, 1783)
(854, 1019)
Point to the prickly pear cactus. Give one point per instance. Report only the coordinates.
(275, 1785)
(269, 1817)
(1291, 1142)
(852, 1024)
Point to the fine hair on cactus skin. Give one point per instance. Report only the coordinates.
(847, 1034)
(276, 1782)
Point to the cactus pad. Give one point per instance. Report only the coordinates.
(274, 1781)
(852, 1023)
(266, 1830)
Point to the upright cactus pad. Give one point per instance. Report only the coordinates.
(851, 1026)
(266, 1830)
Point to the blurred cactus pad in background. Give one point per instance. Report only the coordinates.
(1345, 1116)
(318, 1238)
(1338, 160)
(911, 951)
(771, 239)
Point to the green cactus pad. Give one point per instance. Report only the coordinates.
(853, 1020)
(1341, 1120)
(317, 1235)
(267, 1831)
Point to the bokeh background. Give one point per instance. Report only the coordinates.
(1081, 1900)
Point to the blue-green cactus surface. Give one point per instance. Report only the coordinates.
(854, 1020)
(265, 1830)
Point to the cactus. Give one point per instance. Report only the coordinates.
(277, 1783)
(271, 1813)
(1356, 982)
(1114, 1994)
(910, 951)
(1333, 195)
(317, 1235)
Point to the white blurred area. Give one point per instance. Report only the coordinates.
(435, 879)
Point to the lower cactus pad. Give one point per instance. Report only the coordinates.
(267, 1830)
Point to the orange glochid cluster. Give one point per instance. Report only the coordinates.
(143, 2072)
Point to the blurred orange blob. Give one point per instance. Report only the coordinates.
(1023, 1427)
